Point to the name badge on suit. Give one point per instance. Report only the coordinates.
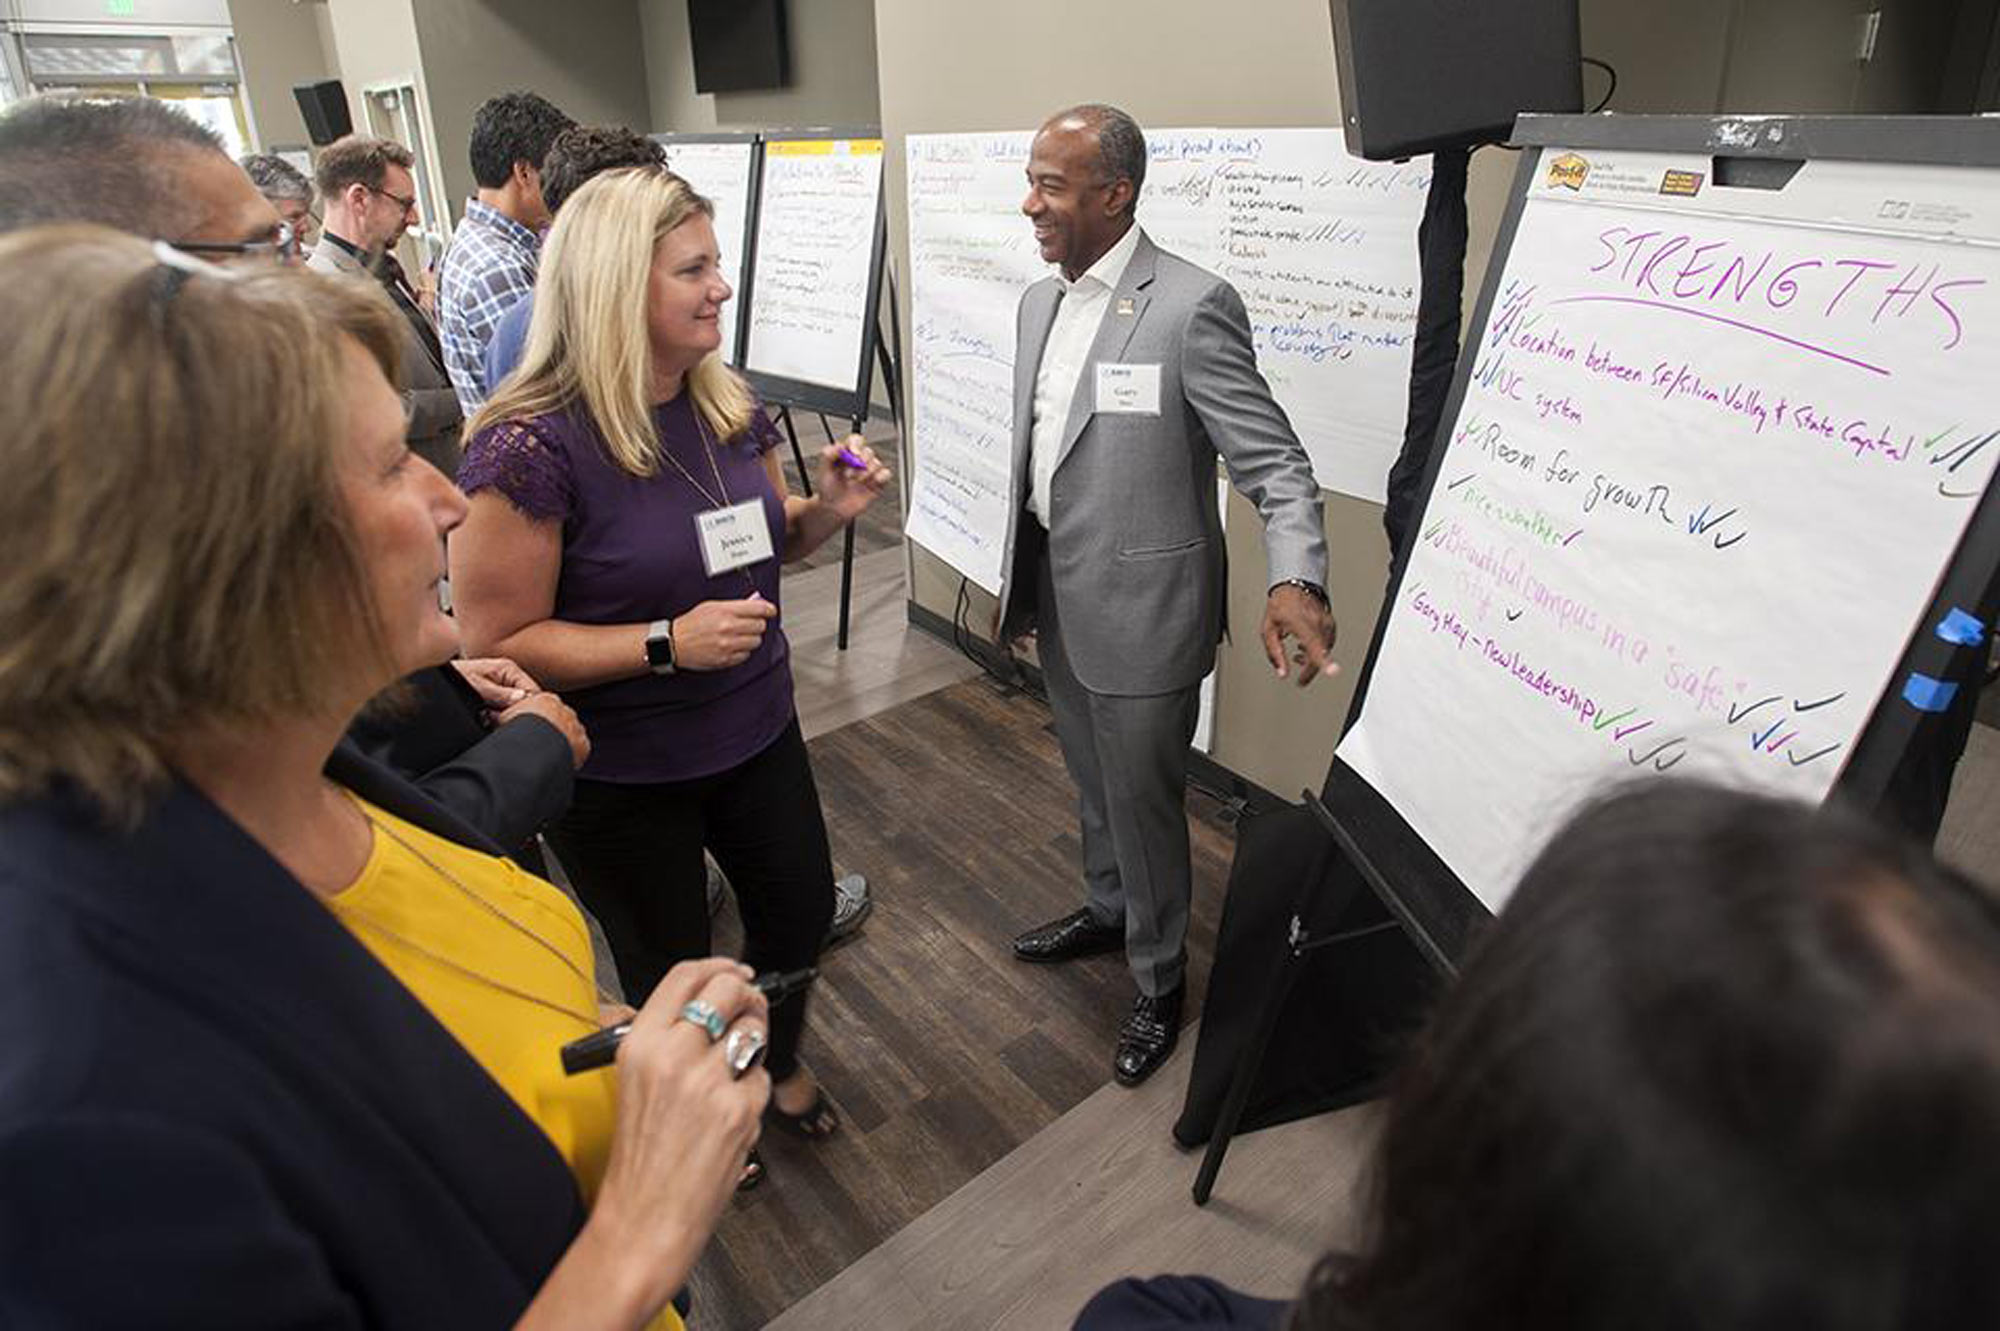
(1128, 390)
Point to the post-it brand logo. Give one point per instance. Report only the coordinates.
(1686, 184)
(1568, 171)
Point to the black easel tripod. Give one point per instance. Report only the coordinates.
(1441, 240)
(1301, 944)
(892, 381)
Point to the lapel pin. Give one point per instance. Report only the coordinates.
(1125, 306)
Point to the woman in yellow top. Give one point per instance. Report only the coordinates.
(218, 1106)
(503, 922)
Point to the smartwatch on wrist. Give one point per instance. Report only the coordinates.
(660, 647)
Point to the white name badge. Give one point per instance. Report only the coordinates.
(1128, 390)
(733, 537)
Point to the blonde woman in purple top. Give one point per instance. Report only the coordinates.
(628, 519)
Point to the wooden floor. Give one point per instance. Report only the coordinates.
(1100, 1195)
(887, 661)
(943, 1053)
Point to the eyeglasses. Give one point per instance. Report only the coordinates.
(172, 267)
(407, 205)
(282, 245)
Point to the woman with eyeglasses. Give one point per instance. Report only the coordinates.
(282, 1037)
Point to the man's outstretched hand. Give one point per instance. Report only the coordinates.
(1295, 613)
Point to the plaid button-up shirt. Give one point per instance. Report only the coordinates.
(491, 264)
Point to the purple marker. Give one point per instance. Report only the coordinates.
(849, 458)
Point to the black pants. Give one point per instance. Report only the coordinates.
(634, 855)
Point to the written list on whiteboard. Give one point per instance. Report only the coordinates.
(1717, 450)
(1321, 246)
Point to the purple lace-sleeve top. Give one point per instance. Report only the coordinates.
(630, 554)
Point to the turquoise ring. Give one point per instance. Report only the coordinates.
(703, 1013)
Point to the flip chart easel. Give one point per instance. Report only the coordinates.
(1711, 495)
(1711, 491)
(811, 331)
(816, 270)
(723, 168)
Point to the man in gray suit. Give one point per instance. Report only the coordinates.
(370, 200)
(1133, 371)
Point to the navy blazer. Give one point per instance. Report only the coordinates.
(1177, 1303)
(217, 1109)
(508, 782)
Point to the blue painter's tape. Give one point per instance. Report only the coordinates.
(1961, 629)
(1927, 694)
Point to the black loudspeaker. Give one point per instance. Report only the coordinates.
(324, 105)
(1422, 74)
(739, 45)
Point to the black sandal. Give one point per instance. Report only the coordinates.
(815, 1122)
(753, 1171)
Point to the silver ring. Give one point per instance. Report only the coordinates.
(743, 1050)
(702, 1013)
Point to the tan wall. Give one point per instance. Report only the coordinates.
(460, 52)
(279, 43)
(1663, 66)
(833, 72)
(588, 60)
(374, 41)
(322, 13)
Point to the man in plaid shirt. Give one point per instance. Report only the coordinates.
(494, 253)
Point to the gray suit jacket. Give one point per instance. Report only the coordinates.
(1135, 544)
(429, 404)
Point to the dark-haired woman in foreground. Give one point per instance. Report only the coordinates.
(1724, 1062)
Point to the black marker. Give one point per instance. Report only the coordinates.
(600, 1048)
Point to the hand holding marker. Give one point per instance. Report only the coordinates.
(601, 1048)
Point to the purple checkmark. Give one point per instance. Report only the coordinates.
(1630, 730)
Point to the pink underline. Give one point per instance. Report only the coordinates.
(1733, 323)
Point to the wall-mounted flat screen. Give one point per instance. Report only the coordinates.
(739, 45)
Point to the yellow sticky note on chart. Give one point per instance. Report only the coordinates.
(824, 148)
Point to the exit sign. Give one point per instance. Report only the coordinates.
(121, 8)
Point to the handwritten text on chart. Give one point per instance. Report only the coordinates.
(1720, 281)
(1777, 725)
(1601, 493)
(1518, 337)
(1707, 463)
(1315, 243)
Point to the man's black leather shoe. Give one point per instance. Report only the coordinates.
(1147, 1037)
(1075, 935)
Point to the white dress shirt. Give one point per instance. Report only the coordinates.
(1084, 304)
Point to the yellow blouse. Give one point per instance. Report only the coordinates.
(450, 946)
